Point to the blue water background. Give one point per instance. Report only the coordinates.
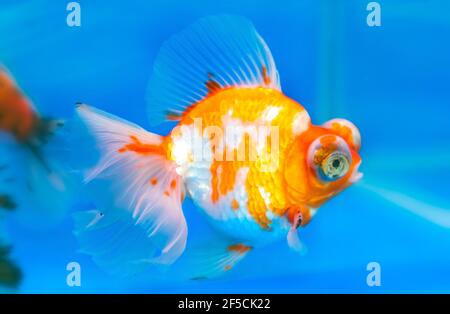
(391, 81)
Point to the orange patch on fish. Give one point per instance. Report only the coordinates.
(16, 113)
(153, 181)
(239, 248)
(234, 204)
(295, 210)
(223, 178)
(141, 148)
(344, 131)
(327, 140)
(266, 78)
(212, 85)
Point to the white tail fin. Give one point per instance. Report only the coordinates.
(141, 222)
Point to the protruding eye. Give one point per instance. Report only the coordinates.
(346, 130)
(330, 157)
(335, 166)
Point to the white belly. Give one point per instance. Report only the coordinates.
(236, 223)
(196, 174)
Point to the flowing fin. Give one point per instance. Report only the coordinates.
(115, 241)
(297, 216)
(437, 215)
(293, 240)
(141, 221)
(212, 260)
(213, 53)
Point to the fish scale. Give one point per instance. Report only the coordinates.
(247, 107)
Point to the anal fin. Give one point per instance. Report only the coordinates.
(213, 260)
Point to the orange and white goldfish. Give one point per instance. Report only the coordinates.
(246, 154)
(27, 172)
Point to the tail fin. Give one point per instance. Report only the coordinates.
(139, 221)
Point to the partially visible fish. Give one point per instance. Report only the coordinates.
(17, 115)
(28, 174)
(19, 118)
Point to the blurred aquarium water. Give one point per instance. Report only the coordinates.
(391, 80)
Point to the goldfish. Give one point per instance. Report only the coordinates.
(247, 155)
(28, 173)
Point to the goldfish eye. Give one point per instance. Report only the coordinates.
(335, 166)
(329, 156)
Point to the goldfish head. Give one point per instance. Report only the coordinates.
(323, 161)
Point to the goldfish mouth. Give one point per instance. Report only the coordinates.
(356, 175)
